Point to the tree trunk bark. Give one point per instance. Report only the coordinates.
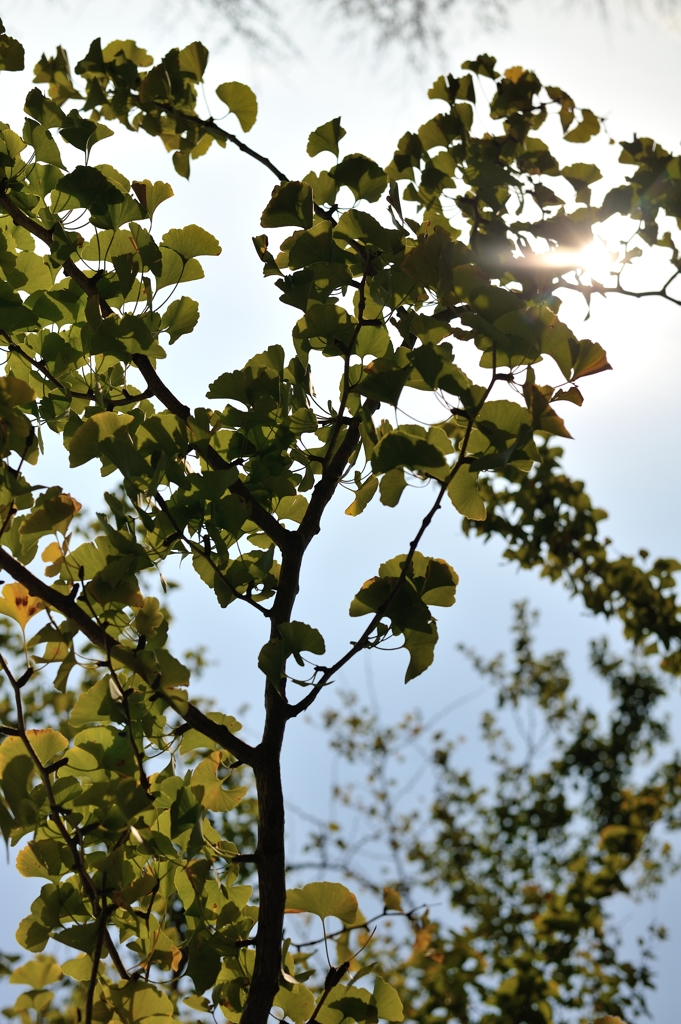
(271, 863)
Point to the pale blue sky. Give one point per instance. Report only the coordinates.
(626, 437)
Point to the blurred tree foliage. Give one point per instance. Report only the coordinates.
(509, 883)
(418, 26)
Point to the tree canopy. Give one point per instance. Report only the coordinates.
(434, 280)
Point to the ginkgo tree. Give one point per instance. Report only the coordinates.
(116, 783)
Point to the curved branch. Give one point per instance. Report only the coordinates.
(68, 607)
(600, 289)
(209, 126)
(155, 386)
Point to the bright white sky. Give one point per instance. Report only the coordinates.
(626, 437)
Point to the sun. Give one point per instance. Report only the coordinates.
(596, 260)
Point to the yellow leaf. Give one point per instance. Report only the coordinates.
(52, 552)
(19, 604)
(391, 899)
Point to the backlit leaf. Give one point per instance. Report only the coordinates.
(325, 899)
(241, 101)
(19, 604)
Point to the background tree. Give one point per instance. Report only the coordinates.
(470, 250)
(509, 882)
(414, 25)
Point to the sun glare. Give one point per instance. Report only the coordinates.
(595, 259)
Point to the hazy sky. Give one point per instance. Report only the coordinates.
(626, 437)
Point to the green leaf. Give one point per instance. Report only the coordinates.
(290, 206)
(388, 1003)
(433, 260)
(357, 1006)
(80, 968)
(32, 934)
(580, 177)
(11, 54)
(181, 163)
(174, 269)
(325, 899)
(408, 447)
(358, 225)
(272, 659)
(325, 139)
(383, 381)
(181, 317)
(95, 704)
(241, 101)
(84, 444)
(364, 178)
(591, 358)
(44, 110)
(323, 186)
(151, 195)
(301, 637)
(137, 1001)
(41, 859)
(37, 973)
(46, 149)
(363, 496)
(83, 133)
(193, 60)
(192, 739)
(79, 936)
(421, 647)
(482, 65)
(297, 1002)
(53, 513)
(14, 313)
(463, 494)
(392, 486)
(191, 241)
(209, 789)
(47, 744)
(586, 129)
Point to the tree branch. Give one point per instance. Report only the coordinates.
(209, 126)
(155, 386)
(67, 607)
(268, 523)
(589, 290)
(221, 735)
(63, 603)
(360, 644)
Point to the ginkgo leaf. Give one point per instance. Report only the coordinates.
(325, 899)
(241, 101)
(37, 973)
(209, 789)
(19, 604)
(191, 241)
(388, 1003)
(297, 1002)
(54, 514)
(46, 744)
(391, 899)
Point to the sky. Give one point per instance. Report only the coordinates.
(626, 436)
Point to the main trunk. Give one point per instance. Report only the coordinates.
(272, 884)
